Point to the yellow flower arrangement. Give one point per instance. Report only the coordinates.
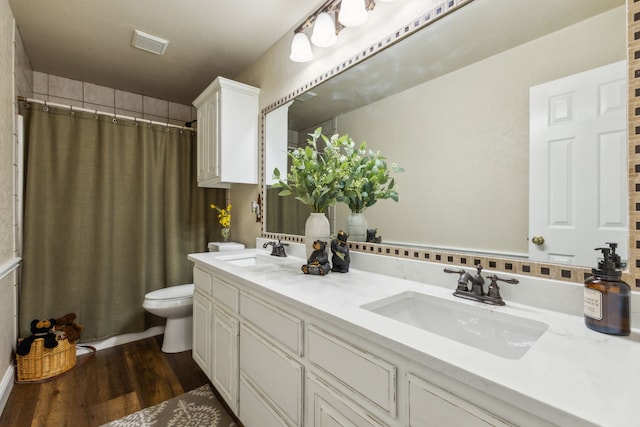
(224, 215)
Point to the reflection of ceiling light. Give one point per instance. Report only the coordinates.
(149, 43)
(350, 13)
(301, 48)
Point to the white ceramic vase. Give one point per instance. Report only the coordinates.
(357, 227)
(316, 228)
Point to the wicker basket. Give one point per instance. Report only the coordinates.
(42, 363)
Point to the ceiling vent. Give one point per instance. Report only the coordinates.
(149, 43)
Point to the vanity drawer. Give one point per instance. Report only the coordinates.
(225, 293)
(283, 327)
(371, 378)
(202, 280)
(276, 375)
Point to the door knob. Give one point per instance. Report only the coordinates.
(537, 240)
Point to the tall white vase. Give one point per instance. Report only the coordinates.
(357, 227)
(316, 228)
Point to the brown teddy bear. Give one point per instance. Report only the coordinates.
(67, 327)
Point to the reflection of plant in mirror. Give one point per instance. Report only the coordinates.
(369, 179)
(316, 177)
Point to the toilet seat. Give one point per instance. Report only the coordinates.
(172, 293)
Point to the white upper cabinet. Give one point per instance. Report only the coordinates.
(227, 134)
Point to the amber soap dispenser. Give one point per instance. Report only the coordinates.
(606, 297)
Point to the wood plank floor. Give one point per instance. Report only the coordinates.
(116, 382)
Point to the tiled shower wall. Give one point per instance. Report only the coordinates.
(51, 88)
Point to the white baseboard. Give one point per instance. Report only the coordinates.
(120, 339)
(6, 385)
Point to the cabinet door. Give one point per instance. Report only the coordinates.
(431, 406)
(202, 331)
(326, 407)
(208, 138)
(254, 410)
(224, 369)
(276, 375)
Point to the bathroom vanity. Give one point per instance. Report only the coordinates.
(366, 349)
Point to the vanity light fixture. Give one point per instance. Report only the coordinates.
(353, 13)
(324, 31)
(348, 13)
(301, 48)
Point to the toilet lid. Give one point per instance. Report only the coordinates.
(172, 292)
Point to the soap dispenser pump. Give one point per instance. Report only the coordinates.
(606, 296)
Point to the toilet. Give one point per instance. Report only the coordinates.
(175, 303)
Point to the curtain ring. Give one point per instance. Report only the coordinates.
(45, 107)
(71, 112)
(135, 122)
(114, 121)
(96, 115)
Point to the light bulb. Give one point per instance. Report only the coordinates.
(300, 48)
(352, 13)
(324, 31)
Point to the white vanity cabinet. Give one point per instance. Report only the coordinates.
(276, 363)
(227, 134)
(225, 335)
(431, 406)
(202, 312)
(271, 368)
(216, 332)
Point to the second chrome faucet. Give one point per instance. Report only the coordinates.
(476, 292)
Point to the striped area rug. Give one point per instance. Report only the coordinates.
(196, 408)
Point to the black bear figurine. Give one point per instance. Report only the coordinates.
(318, 262)
(371, 236)
(340, 250)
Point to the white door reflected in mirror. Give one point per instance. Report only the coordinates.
(578, 136)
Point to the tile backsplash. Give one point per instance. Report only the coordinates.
(61, 90)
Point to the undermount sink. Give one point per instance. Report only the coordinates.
(252, 258)
(483, 328)
(247, 259)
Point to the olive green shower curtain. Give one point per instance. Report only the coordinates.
(111, 211)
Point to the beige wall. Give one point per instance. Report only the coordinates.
(7, 197)
(464, 141)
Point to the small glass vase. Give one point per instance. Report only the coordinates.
(225, 233)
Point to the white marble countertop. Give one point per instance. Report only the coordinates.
(571, 375)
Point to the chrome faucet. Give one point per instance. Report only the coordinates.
(476, 292)
(278, 248)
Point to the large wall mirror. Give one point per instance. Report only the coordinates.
(457, 104)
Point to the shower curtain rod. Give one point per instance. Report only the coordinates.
(104, 113)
